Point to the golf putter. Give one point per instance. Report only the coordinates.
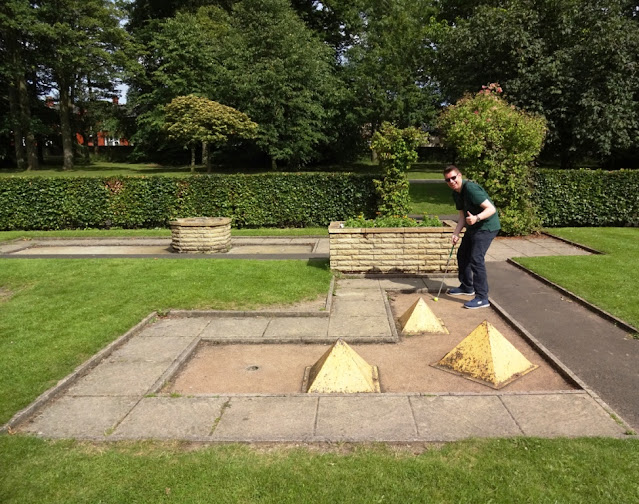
(436, 298)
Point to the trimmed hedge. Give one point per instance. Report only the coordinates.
(265, 200)
(587, 197)
(564, 198)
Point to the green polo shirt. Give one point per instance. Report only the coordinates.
(469, 199)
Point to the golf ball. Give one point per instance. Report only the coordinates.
(435, 299)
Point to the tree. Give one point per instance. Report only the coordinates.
(182, 57)
(85, 47)
(280, 74)
(577, 63)
(16, 20)
(194, 119)
(497, 144)
(388, 68)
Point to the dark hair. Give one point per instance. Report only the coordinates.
(450, 168)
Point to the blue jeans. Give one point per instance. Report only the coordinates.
(470, 259)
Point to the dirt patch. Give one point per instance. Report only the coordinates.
(5, 294)
(404, 367)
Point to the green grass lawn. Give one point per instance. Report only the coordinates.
(431, 199)
(523, 470)
(609, 280)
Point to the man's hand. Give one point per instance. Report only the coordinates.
(455, 239)
(471, 219)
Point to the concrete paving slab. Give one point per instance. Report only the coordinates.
(403, 283)
(163, 349)
(359, 308)
(348, 327)
(227, 328)
(305, 328)
(171, 418)
(359, 295)
(365, 418)
(267, 418)
(571, 415)
(271, 249)
(358, 283)
(187, 327)
(94, 250)
(111, 378)
(80, 417)
(449, 418)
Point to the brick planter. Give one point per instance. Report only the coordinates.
(203, 235)
(417, 250)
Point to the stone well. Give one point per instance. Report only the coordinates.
(202, 235)
(411, 250)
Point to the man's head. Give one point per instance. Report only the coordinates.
(453, 177)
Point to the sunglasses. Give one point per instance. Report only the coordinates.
(450, 179)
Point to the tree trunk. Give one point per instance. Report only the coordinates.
(25, 120)
(14, 109)
(65, 125)
(206, 156)
(192, 158)
(273, 164)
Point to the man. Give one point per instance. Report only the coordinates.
(479, 215)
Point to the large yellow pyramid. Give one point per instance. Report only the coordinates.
(419, 318)
(341, 370)
(487, 356)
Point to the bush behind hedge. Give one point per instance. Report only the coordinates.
(265, 200)
(587, 197)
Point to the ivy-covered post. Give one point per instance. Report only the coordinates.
(496, 144)
(396, 150)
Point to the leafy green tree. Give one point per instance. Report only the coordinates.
(181, 58)
(85, 47)
(497, 143)
(193, 119)
(577, 63)
(280, 74)
(388, 67)
(17, 18)
(396, 151)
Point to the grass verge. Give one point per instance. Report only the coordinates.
(608, 281)
(496, 471)
(431, 199)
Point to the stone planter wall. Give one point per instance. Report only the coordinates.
(391, 250)
(203, 235)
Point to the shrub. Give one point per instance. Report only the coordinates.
(496, 144)
(587, 197)
(265, 200)
(392, 221)
(396, 150)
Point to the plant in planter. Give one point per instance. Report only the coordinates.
(396, 150)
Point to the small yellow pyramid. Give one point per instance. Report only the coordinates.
(341, 370)
(419, 318)
(487, 356)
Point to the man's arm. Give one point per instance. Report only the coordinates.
(488, 209)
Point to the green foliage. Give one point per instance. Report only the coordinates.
(587, 197)
(396, 150)
(575, 62)
(193, 119)
(496, 144)
(388, 66)
(271, 200)
(392, 222)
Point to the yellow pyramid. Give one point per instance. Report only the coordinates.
(420, 318)
(487, 356)
(341, 370)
